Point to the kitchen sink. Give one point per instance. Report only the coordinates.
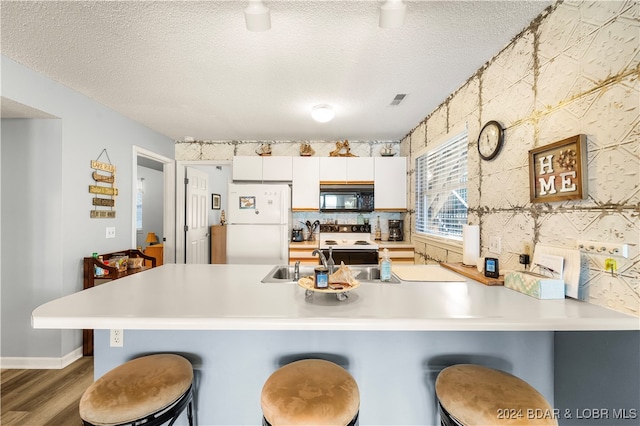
(362, 273)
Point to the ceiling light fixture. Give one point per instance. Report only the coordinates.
(257, 16)
(392, 14)
(322, 113)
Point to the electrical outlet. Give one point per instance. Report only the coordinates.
(528, 248)
(495, 245)
(116, 338)
(111, 232)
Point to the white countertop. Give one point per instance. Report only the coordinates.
(231, 297)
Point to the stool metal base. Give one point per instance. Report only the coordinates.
(169, 414)
(353, 422)
(445, 418)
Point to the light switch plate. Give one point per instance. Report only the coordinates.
(495, 245)
(111, 232)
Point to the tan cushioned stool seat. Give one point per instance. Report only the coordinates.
(136, 389)
(310, 392)
(476, 395)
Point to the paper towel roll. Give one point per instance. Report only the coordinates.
(470, 244)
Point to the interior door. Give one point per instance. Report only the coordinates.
(197, 219)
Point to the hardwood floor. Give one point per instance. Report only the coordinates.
(44, 397)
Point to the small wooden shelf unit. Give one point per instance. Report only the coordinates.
(90, 263)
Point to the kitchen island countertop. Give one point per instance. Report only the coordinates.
(232, 297)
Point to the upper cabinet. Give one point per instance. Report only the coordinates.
(277, 169)
(247, 168)
(267, 169)
(390, 185)
(346, 169)
(360, 169)
(389, 175)
(333, 169)
(306, 184)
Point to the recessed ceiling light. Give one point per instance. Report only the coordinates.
(392, 14)
(322, 113)
(257, 16)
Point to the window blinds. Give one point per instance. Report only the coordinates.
(441, 188)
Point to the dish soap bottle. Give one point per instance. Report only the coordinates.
(385, 266)
(331, 264)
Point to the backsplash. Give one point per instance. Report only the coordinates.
(574, 70)
(299, 218)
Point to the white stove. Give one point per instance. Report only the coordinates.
(350, 244)
(347, 241)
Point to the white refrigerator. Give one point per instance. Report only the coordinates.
(259, 221)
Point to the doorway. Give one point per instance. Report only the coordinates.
(153, 178)
(219, 173)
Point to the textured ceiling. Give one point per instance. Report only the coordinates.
(190, 68)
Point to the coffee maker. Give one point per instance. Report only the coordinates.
(395, 230)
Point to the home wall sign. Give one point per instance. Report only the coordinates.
(558, 171)
(104, 176)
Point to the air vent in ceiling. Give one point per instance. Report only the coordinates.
(399, 98)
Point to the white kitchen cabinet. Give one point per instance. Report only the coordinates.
(333, 169)
(360, 169)
(390, 183)
(276, 169)
(247, 168)
(346, 169)
(306, 183)
(263, 169)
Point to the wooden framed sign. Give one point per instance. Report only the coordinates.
(558, 172)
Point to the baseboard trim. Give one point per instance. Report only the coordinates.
(40, 363)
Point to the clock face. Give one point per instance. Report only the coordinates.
(490, 140)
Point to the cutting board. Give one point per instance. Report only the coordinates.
(472, 272)
(432, 273)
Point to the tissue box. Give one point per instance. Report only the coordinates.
(535, 285)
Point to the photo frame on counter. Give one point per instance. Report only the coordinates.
(558, 171)
(215, 202)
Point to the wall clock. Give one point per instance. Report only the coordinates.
(490, 140)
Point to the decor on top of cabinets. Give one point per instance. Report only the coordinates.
(558, 171)
(103, 186)
(340, 146)
(387, 151)
(215, 202)
(264, 150)
(306, 150)
(490, 140)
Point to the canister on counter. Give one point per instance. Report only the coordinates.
(321, 277)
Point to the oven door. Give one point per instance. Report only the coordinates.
(353, 257)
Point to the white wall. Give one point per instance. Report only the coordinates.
(573, 71)
(86, 129)
(31, 247)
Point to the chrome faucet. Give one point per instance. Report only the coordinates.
(296, 271)
(331, 264)
(322, 258)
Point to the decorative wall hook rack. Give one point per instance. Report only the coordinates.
(609, 249)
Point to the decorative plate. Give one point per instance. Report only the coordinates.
(307, 284)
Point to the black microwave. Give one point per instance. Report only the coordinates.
(346, 198)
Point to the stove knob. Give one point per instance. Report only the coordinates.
(354, 228)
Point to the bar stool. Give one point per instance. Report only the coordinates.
(149, 390)
(471, 395)
(310, 392)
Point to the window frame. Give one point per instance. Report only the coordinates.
(460, 140)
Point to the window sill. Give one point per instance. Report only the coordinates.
(444, 243)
